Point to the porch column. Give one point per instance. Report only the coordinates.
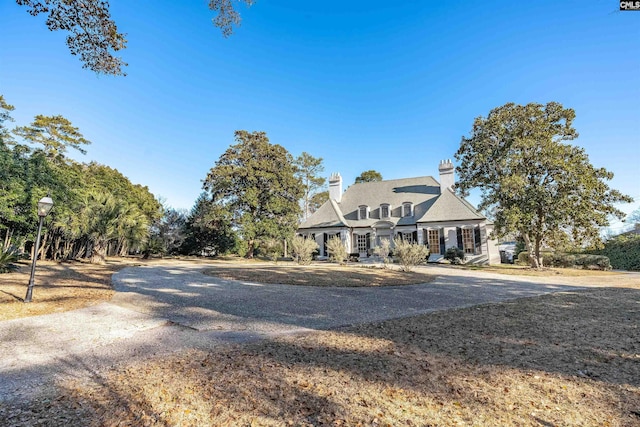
(420, 238)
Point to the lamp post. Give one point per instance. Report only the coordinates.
(44, 206)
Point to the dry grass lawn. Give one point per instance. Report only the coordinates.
(567, 359)
(58, 287)
(557, 360)
(520, 270)
(317, 275)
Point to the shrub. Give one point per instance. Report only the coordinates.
(383, 251)
(623, 251)
(595, 262)
(409, 254)
(523, 258)
(559, 260)
(454, 255)
(8, 256)
(303, 249)
(272, 248)
(337, 251)
(562, 260)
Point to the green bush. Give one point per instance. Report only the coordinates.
(8, 256)
(455, 255)
(337, 251)
(303, 249)
(593, 262)
(409, 254)
(623, 251)
(523, 258)
(562, 260)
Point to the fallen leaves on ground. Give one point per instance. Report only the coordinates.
(59, 286)
(560, 359)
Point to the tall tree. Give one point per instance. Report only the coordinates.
(308, 170)
(369, 176)
(5, 116)
(208, 229)
(255, 181)
(541, 188)
(318, 200)
(94, 36)
(55, 133)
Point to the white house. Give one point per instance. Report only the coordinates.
(419, 209)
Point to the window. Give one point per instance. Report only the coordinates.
(434, 241)
(407, 237)
(363, 212)
(384, 211)
(406, 209)
(361, 242)
(468, 241)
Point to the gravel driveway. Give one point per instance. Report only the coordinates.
(183, 295)
(164, 308)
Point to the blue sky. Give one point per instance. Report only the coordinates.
(390, 86)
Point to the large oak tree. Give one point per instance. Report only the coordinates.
(94, 35)
(255, 181)
(545, 190)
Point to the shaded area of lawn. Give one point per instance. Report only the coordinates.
(318, 275)
(521, 270)
(561, 359)
(59, 286)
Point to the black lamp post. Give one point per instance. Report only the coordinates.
(44, 206)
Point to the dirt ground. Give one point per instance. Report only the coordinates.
(569, 358)
(319, 275)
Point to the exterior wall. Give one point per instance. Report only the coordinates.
(488, 247)
(489, 250)
(319, 236)
(492, 246)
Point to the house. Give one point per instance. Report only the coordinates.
(418, 209)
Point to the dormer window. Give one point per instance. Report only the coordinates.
(407, 209)
(385, 211)
(363, 212)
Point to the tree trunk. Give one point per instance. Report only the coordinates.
(538, 255)
(44, 248)
(533, 257)
(7, 238)
(98, 253)
(250, 248)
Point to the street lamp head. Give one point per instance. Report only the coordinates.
(44, 206)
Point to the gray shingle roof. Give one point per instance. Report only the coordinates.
(423, 192)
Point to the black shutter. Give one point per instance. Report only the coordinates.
(325, 238)
(441, 232)
(415, 237)
(459, 236)
(478, 241)
(368, 241)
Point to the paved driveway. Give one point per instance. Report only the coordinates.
(164, 308)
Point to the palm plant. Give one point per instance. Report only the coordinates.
(8, 256)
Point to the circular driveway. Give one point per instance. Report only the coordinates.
(181, 294)
(172, 306)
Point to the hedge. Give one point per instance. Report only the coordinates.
(623, 251)
(558, 259)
